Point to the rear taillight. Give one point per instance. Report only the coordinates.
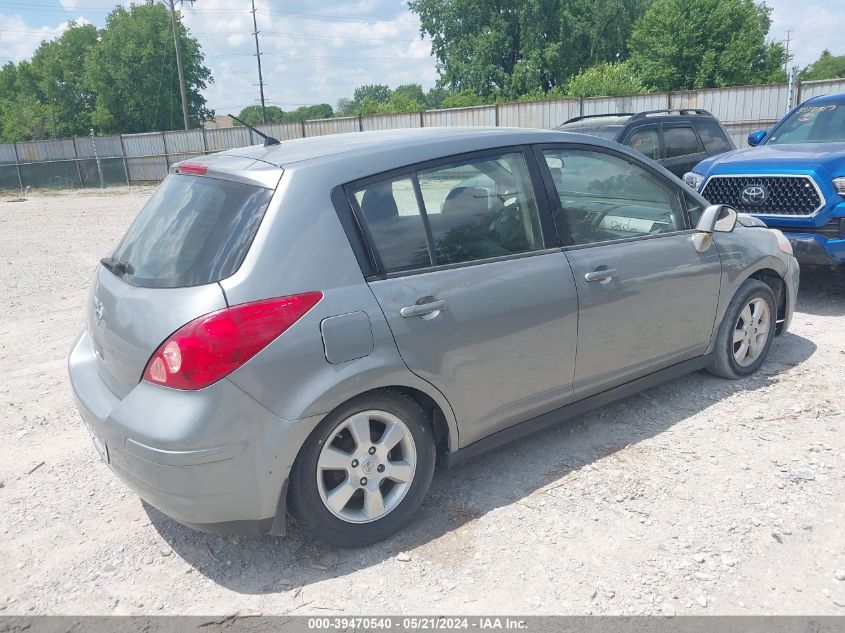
(213, 346)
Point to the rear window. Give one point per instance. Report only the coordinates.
(713, 136)
(680, 141)
(609, 132)
(194, 230)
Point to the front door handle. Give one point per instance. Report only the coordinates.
(423, 309)
(603, 275)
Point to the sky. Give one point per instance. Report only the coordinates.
(318, 51)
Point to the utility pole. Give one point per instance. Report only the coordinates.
(786, 61)
(182, 89)
(258, 57)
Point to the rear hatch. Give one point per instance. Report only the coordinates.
(193, 232)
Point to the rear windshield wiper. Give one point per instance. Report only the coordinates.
(116, 266)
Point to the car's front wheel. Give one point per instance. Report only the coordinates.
(365, 470)
(746, 332)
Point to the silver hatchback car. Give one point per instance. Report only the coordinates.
(311, 326)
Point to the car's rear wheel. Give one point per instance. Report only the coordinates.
(746, 332)
(365, 470)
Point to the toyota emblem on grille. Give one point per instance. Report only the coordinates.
(753, 194)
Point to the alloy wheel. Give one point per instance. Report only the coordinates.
(751, 332)
(366, 466)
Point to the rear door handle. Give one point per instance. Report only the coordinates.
(603, 275)
(423, 309)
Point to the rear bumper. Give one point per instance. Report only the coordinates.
(213, 459)
(816, 250)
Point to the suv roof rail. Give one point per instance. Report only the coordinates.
(596, 116)
(641, 115)
(682, 111)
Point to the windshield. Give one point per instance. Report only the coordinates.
(194, 230)
(819, 123)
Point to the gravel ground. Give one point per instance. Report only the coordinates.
(699, 496)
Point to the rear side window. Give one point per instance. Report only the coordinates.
(713, 137)
(680, 141)
(194, 230)
(395, 223)
(462, 212)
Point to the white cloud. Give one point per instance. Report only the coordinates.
(815, 26)
(308, 60)
(18, 40)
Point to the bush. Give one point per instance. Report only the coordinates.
(606, 79)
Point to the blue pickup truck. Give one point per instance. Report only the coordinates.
(792, 177)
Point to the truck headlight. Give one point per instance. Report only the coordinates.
(694, 180)
(838, 184)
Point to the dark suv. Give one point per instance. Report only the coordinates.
(677, 139)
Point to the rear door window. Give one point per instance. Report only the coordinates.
(194, 230)
(680, 141)
(459, 212)
(646, 141)
(481, 208)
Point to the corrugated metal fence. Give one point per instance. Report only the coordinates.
(139, 158)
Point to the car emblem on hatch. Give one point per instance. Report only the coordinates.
(753, 194)
(99, 311)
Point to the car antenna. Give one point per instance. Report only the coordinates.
(268, 140)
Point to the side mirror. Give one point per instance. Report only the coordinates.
(716, 218)
(755, 138)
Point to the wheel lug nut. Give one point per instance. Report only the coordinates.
(363, 481)
(354, 463)
(381, 468)
(372, 450)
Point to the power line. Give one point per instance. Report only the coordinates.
(305, 16)
(330, 58)
(308, 36)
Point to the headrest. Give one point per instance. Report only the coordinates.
(378, 203)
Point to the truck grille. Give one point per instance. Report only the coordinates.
(781, 195)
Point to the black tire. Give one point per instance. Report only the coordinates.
(723, 363)
(307, 505)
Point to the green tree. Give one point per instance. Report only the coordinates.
(605, 79)
(507, 48)
(58, 69)
(306, 113)
(435, 96)
(825, 67)
(463, 99)
(409, 93)
(132, 71)
(24, 117)
(683, 44)
(378, 93)
(252, 115)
